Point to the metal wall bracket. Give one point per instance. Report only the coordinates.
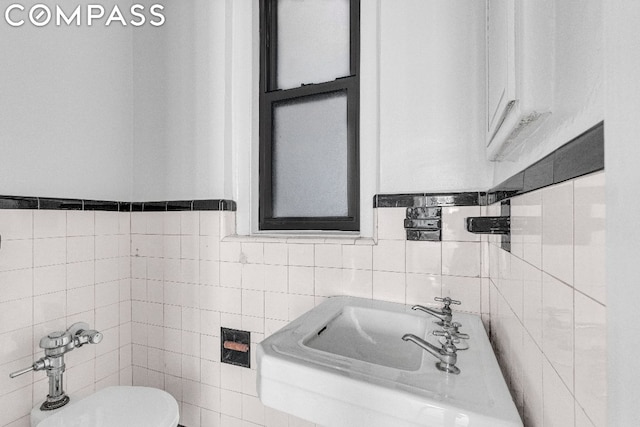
(424, 224)
(500, 225)
(489, 224)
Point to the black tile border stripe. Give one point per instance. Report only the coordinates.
(581, 156)
(10, 202)
(97, 205)
(60, 204)
(180, 205)
(154, 207)
(46, 203)
(420, 200)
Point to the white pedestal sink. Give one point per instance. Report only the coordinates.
(344, 363)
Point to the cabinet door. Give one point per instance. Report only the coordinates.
(500, 63)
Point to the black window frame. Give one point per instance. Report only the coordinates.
(270, 95)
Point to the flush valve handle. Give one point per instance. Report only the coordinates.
(38, 365)
(21, 372)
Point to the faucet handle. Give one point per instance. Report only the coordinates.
(446, 334)
(447, 301)
(454, 330)
(448, 345)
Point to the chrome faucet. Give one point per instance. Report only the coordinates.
(55, 345)
(444, 314)
(446, 354)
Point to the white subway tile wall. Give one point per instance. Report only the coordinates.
(547, 304)
(57, 268)
(188, 275)
(259, 284)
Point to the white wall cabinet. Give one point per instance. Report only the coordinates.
(501, 86)
(519, 83)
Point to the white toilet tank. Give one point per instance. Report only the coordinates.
(121, 406)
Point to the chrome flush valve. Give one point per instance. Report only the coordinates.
(55, 345)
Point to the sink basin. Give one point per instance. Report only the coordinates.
(344, 363)
(372, 336)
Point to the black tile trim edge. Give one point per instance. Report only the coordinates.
(180, 205)
(17, 202)
(581, 156)
(11, 202)
(98, 205)
(60, 204)
(426, 199)
(154, 207)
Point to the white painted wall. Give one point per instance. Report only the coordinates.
(432, 73)
(74, 100)
(622, 154)
(180, 100)
(421, 115)
(66, 110)
(578, 83)
(184, 125)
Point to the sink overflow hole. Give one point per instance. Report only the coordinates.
(322, 330)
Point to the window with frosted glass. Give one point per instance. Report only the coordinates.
(313, 41)
(309, 91)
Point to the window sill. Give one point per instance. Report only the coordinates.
(299, 238)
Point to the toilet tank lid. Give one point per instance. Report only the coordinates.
(119, 406)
